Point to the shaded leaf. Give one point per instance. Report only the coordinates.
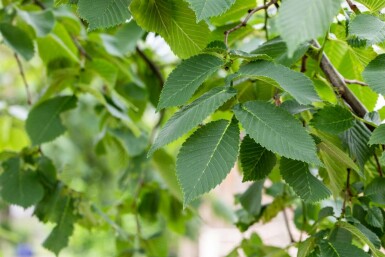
(333, 119)
(18, 40)
(251, 199)
(42, 21)
(369, 28)
(374, 74)
(208, 8)
(378, 136)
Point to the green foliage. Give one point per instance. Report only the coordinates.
(378, 136)
(18, 40)
(297, 175)
(277, 131)
(43, 123)
(208, 8)
(207, 157)
(368, 28)
(373, 5)
(374, 74)
(175, 22)
(333, 119)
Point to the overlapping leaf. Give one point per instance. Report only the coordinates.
(207, 157)
(185, 79)
(42, 22)
(373, 5)
(18, 40)
(175, 22)
(208, 8)
(369, 28)
(277, 131)
(43, 123)
(333, 119)
(104, 13)
(374, 74)
(304, 184)
(378, 136)
(191, 115)
(256, 161)
(296, 84)
(300, 21)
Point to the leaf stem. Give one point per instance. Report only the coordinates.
(347, 193)
(357, 82)
(244, 22)
(379, 169)
(286, 219)
(22, 74)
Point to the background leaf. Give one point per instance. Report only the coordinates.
(18, 40)
(374, 74)
(378, 136)
(208, 8)
(369, 28)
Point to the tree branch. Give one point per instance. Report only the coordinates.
(336, 79)
(244, 22)
(357, 82)
(353, 7)
(286, 219)
(22, 74)
(379, 169)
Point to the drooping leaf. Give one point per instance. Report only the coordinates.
(207, 157)
(361, 236)
(18, 186)
(300, 21)
(374, 74)
(191, 115)
(43, 123)
(186, 78)
(306, 247)
(42, 21)
(325, 212)
(18, 40)
(373, 5)
(175, 22)
(333, 119)
(378, 136)
(104, 13)
(276, 130)
(256, 161)
(369, 28)
(299, 86)
(252, 197)
(304, 184)
(356, 140)
(208, 8)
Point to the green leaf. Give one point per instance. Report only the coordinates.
(175, 22)
(325, 212)
(18, 40)
(43, 123)
(18, 186)
(59, 237)
(339, 249)
(256, 161)
(206, 158)
(235, 13)
(373, 5)
(251, 200)
(378, 136)
(300, 21)
(208, 8)
(299, 86)
(306, 247)
(106, 70)
(333, 119)
(297, 175)
(375, 191)
(374, 74)
(42, 21)
(369, 28)
(327, 250)
(104, 13)
(362, 237)
(191, 115)
(185, 79)
(277, 131)
(374, 217)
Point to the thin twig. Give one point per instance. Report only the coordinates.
(379, 169)
(81, 49)
(286, 219)
(303, 63)
(348, 193)
(353, 7)
(40, 4)
(357, 82)
(265, 26)
(22, 74)
(244, 22)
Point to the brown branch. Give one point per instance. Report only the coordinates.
(303, 63)
(353, 7)
(286, 219)
(357, 82)
(337, 81)
(22, 74)
(379, 169)
(244, 22)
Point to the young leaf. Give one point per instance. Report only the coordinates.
(251, 199)
(374, 74)
(186, 78)
(18, 186)
(175, 22)
(295, 83)
(104, 13)
(191, 115)
(369, 28)
(43, 123)
(378, 136)
(208, 8)
(277, 131)
(333, 119)
(18, 40)
(300, 21)
(256, 161)
(206, 158)
(304, 184)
